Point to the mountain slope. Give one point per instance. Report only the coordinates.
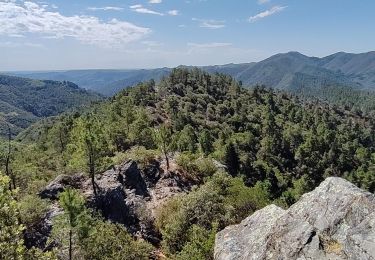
(105, 82)
(23, 101)
(270, 147)
(282, 71)
(286, 71)
(359, 67)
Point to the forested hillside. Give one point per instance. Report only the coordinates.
(286, 71)
(24, 101)
(105, 82)
(343, 79)
(272, 146)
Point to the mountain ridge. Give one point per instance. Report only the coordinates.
(23, 101)
(281, 71)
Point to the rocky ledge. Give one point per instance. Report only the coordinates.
(127, 194)
(335, 221)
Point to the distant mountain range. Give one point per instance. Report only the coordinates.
(289, 71)
(293, 70)
(24, 101)
(105, 82)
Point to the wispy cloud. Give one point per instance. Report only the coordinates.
(173, 12)
(272, 11)
(9, 44)
(152, 43)
(262, 2)
(209, 45)
(29, 17)
(143, 10)
(106, 8)
(155, 1)
(209, 23)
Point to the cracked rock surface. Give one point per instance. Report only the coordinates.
(335, 221)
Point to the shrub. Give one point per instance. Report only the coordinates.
(205, 167)
(32, 209)
(109, 241)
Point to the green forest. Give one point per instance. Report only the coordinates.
(25, 101)
(272, 147)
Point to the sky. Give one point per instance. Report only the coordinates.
(127, 34)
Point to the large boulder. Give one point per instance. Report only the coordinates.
(335, 221)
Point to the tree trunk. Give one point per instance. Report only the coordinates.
(7, 162)
(92, 173)
(167, 160)
(13, 180)
(93, 183)
(70, 244)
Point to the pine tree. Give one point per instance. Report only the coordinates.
(11, 243)
(163, 137)
(206, 142)
(11, 230)
(73, 204)
(231, 159)
(89, 146)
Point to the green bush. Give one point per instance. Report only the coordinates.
(200, 244)
(222, 200)
(109, 241)
(32, 209)
(205, 167)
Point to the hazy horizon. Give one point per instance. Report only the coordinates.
(113, 34)
(151, 68)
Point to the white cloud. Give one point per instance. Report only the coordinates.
(135, 6)
(106, 8)
(9, 44)
(155, 1)
(210, 24)
(173, 12)
(29, 17)
(261, 2)
(152, 43)
(272, 11)
(209, 45)
(143, 10)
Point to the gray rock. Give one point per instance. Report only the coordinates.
(335, 221)
(60, 184)
(38, 234)
(126, 194)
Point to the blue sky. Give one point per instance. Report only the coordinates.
(121, 34)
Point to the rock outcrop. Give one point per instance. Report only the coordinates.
(335, 221)
(126, 194)
(38, 234)
(58, 185)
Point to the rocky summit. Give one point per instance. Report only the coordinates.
(335, 221)
(127, 194)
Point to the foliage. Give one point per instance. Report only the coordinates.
(221, 201)
(11, 236)
(200, 244)
(32, 209)
(231, 159)
(81, 234)
(89, 147)
(274, 146)
(110, 241)
(24, 101)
